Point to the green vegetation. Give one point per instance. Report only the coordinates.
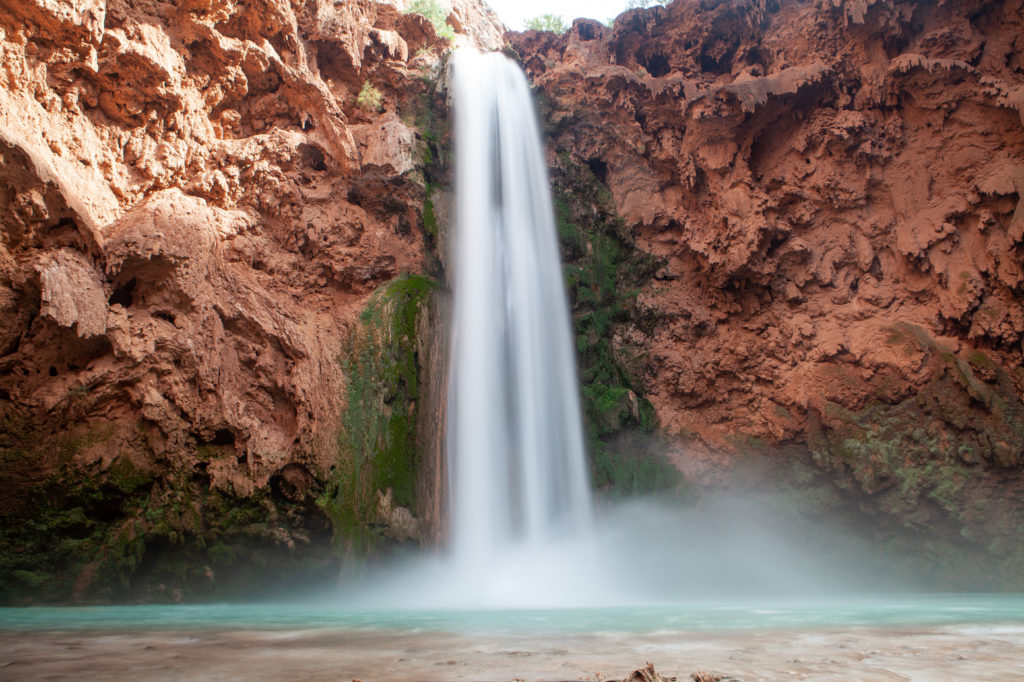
(933, 446)
(436, 14)
(377, 446)
(369, 97)
(429, 217)
(429, 117)
(547, 22)
(140, 529)
(71, 534)
(604, 274)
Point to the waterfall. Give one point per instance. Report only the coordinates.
(518, 476)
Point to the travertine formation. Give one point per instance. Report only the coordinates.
(835, 189)
(196, 200)
(195, 205)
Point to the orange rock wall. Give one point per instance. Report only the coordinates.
(812, 175)
(194, 209)
(835, 189)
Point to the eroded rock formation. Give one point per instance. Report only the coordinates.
(197, 200)
(794, 241)
(834, 189)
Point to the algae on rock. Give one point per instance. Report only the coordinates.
(378, 444)
(604, 274)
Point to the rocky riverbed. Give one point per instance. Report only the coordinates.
(964, 652)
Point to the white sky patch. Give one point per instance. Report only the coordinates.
(515, 12)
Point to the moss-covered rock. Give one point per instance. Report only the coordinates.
(70, 533)
(604, 273)
(934, 465)
(378, 447)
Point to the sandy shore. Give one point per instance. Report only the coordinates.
(935, 653)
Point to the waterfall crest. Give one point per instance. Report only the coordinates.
(514, 437)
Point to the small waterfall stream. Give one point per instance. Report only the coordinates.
(515, 440)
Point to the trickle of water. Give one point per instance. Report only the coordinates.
(515, 439)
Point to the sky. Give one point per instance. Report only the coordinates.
(514, 12)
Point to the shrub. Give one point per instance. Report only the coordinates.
(436, 14)
(369, 97)
(547, 22)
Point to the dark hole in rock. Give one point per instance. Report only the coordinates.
(599, 168)
(53, 371)
(402, 226)
(875, 269)
(656, 64)
(124, 294)
(163, 315)
(223, 437)
(312, 157)
(292, 482)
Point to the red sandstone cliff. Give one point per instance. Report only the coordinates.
(836, 190)
(196, 208)
(196, 202)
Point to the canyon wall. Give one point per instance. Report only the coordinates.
(199, 200)
(831, 195)
(792, 234)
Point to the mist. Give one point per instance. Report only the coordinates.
(645, 552)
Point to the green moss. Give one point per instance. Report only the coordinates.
(603, 274)
(429, 216)
(129, 533)
(377, 446)
(126, 477)
(981, 361)
(935, 446)
(429, 116)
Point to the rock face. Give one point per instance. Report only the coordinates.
(794, 233)
(196, 201)
(834, 190)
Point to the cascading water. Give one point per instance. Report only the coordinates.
(521, 528)
(515, 441)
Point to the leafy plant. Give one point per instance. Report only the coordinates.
(436, 14)
(369, 97)
(644, 4)
(547, 22)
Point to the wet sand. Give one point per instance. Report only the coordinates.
(968, 652)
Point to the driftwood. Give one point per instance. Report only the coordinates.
(649, 674)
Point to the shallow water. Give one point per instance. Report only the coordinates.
(881, 637)
(694, 616)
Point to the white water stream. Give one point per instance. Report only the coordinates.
(519, 481)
